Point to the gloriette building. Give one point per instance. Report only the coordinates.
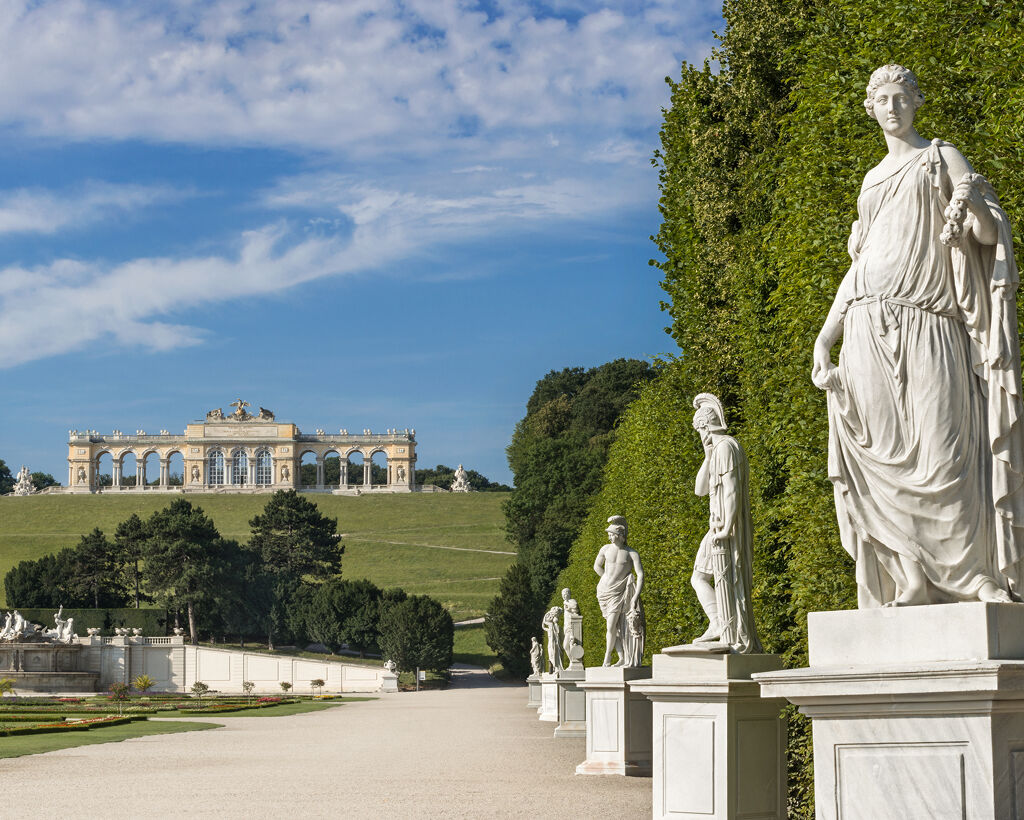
(240, 452)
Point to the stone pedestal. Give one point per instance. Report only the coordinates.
(718, 747)
(572, 704)
(618, 722)
(548, 710)
(916, 711)
(533, 691)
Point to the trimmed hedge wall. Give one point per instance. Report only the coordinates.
(761, 164)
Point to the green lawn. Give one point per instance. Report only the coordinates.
(449, 546)
(470, 646)
(37, 744)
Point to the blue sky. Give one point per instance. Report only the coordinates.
(357, 214)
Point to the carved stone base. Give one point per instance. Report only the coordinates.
(618, 723)
(548, 710)
(719, 750)
(897, 734)
(572, 704)
(533, 691)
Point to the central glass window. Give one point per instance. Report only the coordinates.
(239, 467)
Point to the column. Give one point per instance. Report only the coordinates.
(251, 468)
(367, 473)
(319, 472)
(140, 473)
(165, 469)
(115, 474)
(343, 479)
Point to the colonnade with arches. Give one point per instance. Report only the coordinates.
(252, 455)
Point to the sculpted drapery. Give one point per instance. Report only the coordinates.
(926, 445)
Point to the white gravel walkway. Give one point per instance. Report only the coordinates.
(473, 750)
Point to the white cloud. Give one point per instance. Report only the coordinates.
(369, 76)
(451, 123)
(33, 210)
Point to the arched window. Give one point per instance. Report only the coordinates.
(264, 468)
(239, 467)
(215, 468)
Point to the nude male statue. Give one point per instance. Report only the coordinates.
(618, 594)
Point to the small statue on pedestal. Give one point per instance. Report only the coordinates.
(618, 595)
(550, 625)
(572, 640)
(24, 485)
(536, 656)
(461, 482)
(726, 551)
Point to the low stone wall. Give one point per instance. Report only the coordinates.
(175, 666)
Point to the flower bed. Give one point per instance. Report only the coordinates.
(69, 726)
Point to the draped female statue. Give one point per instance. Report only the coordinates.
(926, 447)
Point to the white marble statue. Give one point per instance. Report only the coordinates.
(391, 666)
(24, 485)
(461, 482)
(550, 625)
(536, 656)
(926, 444)
(618, 595)
(725, 556)
(7, 631)
(572, 630)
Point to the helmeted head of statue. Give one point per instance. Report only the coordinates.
(617, 525)
(710, 416)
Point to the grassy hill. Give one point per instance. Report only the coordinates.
(451, 547)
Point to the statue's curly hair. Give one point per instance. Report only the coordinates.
(891, 73)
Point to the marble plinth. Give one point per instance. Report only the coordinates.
(618, 722)
(718, 747)
(916, 711)
(572, 704)
(533, 691)
(548, 710)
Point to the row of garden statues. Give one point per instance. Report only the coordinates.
(722, 573)
(16, 628)
(925, 410)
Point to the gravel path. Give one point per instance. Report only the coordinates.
(473, 750)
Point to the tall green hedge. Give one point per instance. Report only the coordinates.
(761, 164)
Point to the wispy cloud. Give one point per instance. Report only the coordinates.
(35, 210)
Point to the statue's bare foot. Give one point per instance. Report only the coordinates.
(713, 633)
(990, 593)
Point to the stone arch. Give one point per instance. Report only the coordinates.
(150, 467)
(309, 468)
(174, 467)
(333, 461)
(122, 477)
(356, 469)
(380, 468)
(101, 477)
